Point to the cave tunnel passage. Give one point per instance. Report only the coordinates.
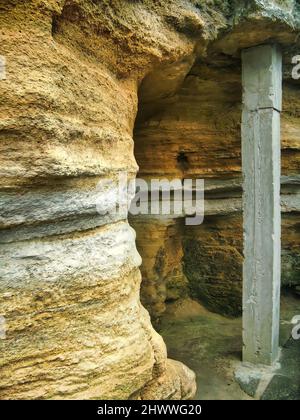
(188, 127)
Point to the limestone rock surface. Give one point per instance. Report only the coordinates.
(77, 71)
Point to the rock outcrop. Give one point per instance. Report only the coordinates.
(69, 276)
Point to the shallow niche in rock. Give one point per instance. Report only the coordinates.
(182, 160)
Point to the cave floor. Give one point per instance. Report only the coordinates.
(211, 344)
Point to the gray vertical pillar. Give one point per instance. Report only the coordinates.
(262, 93)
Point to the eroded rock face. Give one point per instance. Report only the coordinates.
(70, 279)
(195, 133)
(160, 242)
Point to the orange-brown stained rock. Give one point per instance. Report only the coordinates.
(70, 283)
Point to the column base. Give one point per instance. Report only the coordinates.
(254, 379)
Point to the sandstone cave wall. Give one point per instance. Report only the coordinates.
(195, 133)
(70, 281)
(69, 277)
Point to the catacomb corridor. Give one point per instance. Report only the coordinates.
(98, 302)
(188, 126)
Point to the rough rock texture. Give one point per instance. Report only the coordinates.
(160, 242)
(69, 280)
(69, 276)
(195, 133)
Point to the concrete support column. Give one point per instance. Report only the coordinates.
(262, 85)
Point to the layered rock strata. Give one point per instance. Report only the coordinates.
(70, 279)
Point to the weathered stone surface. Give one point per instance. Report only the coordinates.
(69, 277)
(213, 263)
(159, 241)
(205, 261)
(196, 134)
(176, 382)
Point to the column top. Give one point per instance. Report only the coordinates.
(262, 77)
